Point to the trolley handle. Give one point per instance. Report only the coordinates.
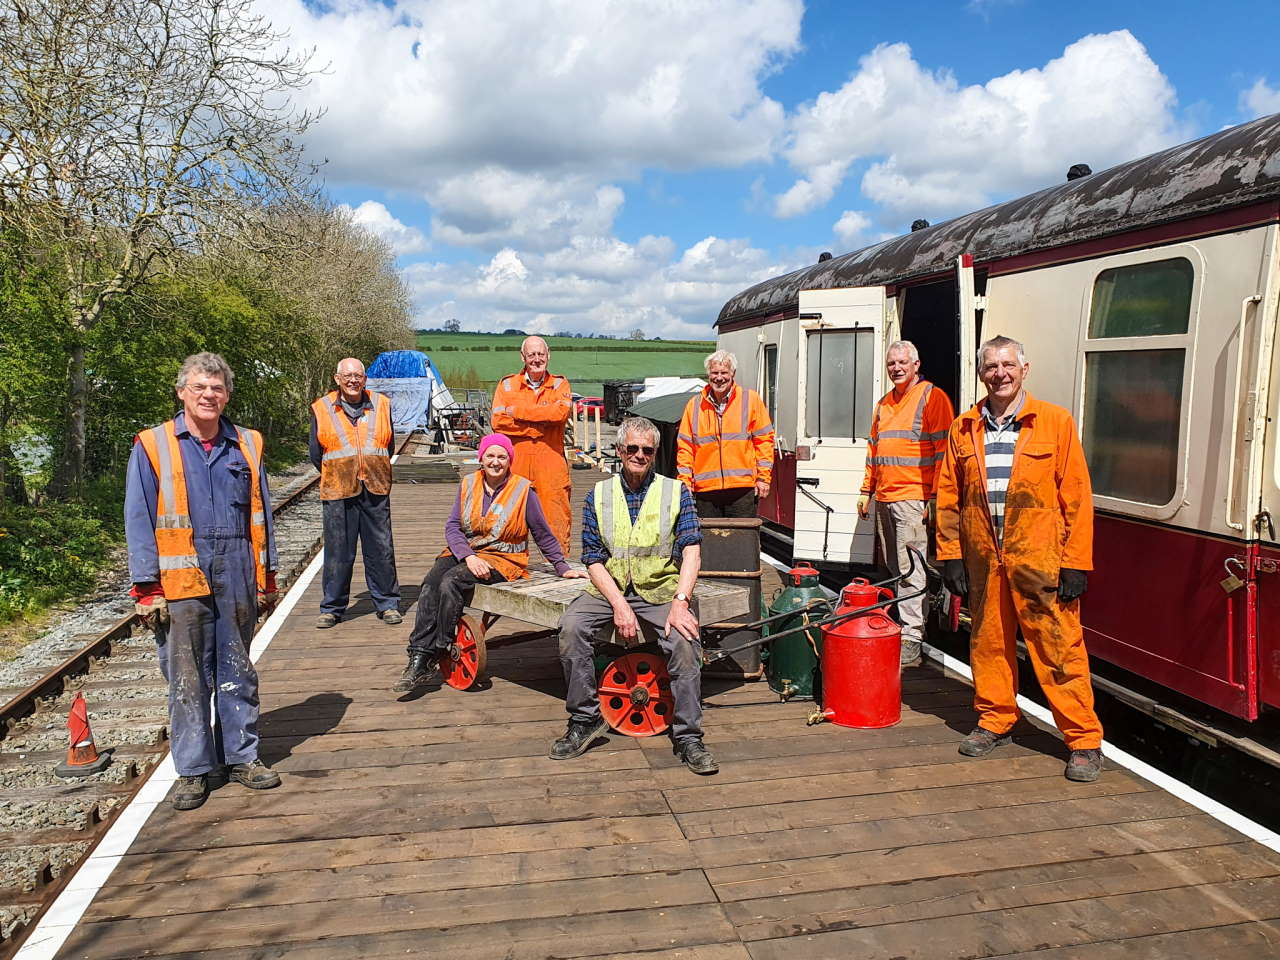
(717, 655)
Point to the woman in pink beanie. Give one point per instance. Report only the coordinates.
(487, 541)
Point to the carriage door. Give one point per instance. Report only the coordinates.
(840, 370)
(1261, 516)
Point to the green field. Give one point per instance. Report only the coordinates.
(482, 359)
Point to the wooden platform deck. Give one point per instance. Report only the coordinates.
(439, 827)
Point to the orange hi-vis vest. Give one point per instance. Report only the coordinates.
(180, 575)
(354, 454)
(500, 535)
(908, 440)
(725, 451)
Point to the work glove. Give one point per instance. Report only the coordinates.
(864, 504)
(267, 596)
(150, 605)
(955, 577)
(1071, 584)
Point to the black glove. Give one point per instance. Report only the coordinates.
(955, 577)
(1071, 584)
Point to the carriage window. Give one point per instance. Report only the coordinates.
(840, 374)
(1143, 300)
(770, 385)
(1132, 411)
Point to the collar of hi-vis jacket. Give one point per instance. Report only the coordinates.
(708, 396)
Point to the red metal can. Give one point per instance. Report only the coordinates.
(861, 656)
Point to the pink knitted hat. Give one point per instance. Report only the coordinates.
(489, 439)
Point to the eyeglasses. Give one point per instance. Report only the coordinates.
(215, 388)
(631, 449)
(351, 376)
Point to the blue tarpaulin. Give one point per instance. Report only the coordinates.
(411, 381)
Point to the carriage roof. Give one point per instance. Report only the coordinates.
(1236, 167)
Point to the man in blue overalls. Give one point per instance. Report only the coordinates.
(202, 559)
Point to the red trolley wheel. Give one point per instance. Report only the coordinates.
(635, 695)
(953, 614)
(464, 660)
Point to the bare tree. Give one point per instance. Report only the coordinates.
(131, 131)
(637, 334)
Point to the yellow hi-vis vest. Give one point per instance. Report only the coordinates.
(180, 575)
(640, 554)
(354, 454)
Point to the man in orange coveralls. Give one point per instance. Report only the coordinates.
(1015, 534)
(531, 407)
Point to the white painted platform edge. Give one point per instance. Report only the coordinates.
(60, 919)
(1114, 755)
(1221, 813)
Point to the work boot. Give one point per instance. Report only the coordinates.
(327, 620)
(982, 741)
(579, 735)
(697, 757)
(190, 792)
(421, 671)
(911, 655)
(391, 616)
(254, 775)
(1084, 766)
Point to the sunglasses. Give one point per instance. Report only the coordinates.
(631, 449)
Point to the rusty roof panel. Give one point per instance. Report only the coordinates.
(1232, 168)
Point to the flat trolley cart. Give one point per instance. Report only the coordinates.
(541, 601)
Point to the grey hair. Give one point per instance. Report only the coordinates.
(633, 425)
(999, 343)
(210, 363)
(338, 369)
(906, 345)
(724, 357)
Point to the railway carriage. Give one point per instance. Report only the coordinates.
(1147, 297)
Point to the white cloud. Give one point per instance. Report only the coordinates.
(1260, 99)
(851, 226)
(378, 220)
(421, 90)
(936, 148)
(596, 284)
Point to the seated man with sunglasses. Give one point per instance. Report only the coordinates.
(642, 547)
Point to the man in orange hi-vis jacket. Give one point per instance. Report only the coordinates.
(908, 435)
(532, 407)
(1015, 534)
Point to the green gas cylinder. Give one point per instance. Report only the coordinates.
(793, 661)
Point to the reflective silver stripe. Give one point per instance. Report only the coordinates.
(742, 400)
(896, 435)
(734, 436)
(918, 420)
(685, 437)
(258, 518)
(762, 431)
(165, 472)
(185, 562)
(496, 546)
(685, 471)
(506, 384)
(247, 438)
(172, 521)
(904, 461)
(735, 472)
(555, 382)
(604, 511)
(934, 437)
(763, 464)
(668, 529)
(346, 450)
(499, 409)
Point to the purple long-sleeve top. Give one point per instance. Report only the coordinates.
(534, 518)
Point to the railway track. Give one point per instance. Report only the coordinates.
(48, 826)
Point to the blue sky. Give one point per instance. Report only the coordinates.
(596, 165)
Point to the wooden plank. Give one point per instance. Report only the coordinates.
(617, 932)
(881, 800)
(980, 890)
(427, 912)
(326, 884)
(998, 932)
(844, 871)
(1241, 941)
(905, 830)
(394, 846)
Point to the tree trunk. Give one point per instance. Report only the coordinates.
(68, 476)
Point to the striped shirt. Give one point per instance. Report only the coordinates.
(1000, 438)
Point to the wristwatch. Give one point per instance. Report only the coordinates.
(682, 596)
